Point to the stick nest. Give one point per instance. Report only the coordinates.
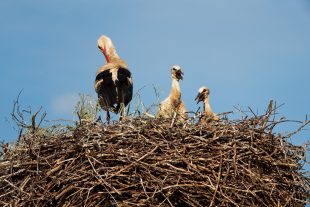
(155, 162)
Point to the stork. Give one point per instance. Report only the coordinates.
(173, 103)
(203, 95)
(113, 82)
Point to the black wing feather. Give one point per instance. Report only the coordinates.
(106, 76)
(112, 94)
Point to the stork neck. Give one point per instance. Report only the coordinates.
(107, 57)
(175, 90)
(110, 54)
(207, 107)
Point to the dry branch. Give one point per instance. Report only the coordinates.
(156, 162)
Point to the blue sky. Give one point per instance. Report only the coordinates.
(245, 51)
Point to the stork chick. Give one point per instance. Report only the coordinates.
(113, 82)
(173, 103)
(203, 95)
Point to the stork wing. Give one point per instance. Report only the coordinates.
(125, 84)
(112, 93)
(106, 90)
(105, 76)
(123, 74)
(128, 95)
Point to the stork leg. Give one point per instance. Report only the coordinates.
(122, 111)
(108, 117)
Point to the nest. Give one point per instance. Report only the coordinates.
(156, 162)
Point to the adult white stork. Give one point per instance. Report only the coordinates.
(203, 95)
(173, 103)
(113, 82)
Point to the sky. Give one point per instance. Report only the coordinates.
(246, 51)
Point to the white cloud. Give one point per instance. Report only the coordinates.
(64, 104)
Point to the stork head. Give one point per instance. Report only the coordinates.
(106, 46)
(104, 43)
(203, 93)
(176, 72)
